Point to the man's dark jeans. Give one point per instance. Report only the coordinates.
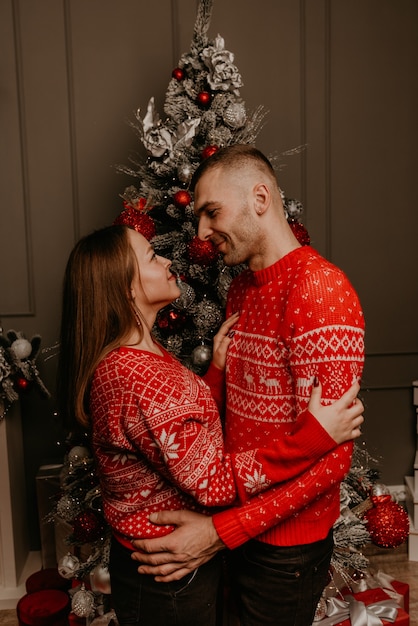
(280, 586)
(140, 601)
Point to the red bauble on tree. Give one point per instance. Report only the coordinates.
(138, 220)
(208, 151)
(201, 252)
(388, 524)
(177, 73)
(171, 321)
(204, 98)
(22, 384)
(300, 232)
(88, 526)
(182, 199)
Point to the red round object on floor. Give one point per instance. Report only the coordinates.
(48, 607)
(48, 578)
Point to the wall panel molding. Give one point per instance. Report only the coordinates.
(16, 258)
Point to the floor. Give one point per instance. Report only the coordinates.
(394, 562)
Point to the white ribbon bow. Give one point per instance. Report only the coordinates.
(359, 613)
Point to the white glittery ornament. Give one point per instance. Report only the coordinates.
(235, 115)
(208, 316)
(78, 454)
(22, 348)
(68, 508)
(68, 566)
(201, 355)
(82, 603)
(100, 580)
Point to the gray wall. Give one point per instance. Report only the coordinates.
(339, 76)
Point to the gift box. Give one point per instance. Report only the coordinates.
(395, 589)
(402, 589)
(44, 608)
(356, 607)
(48, 578)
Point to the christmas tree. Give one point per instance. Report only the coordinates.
(203, 111)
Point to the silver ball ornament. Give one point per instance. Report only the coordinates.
(68, 508)
(201, 355)
(82, 603)
(78, 454)
(100, 580)
(235, 115)
(21, 348)
(207, 316)
(68, 566)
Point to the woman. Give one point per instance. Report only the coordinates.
(155, 426)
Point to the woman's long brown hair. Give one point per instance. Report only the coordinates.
(97, 314)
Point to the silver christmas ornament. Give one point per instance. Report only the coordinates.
(68, 566)
(78, 454)
(235, 115)
(68, 508)
(207, 316)
(100, 580)
(22, 348)
(201, 355)
(82, 603)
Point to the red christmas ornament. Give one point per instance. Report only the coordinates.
(138, 220)
(139, 204)
(201, 252)
(182, 199)
(177, 73)
(170, 320)
(381, 499)
(208, 151)
(388, 524)
(300, 232)
(87, 526)
(21, 383)
(204, 99)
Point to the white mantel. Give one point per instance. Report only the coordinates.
(16, 560)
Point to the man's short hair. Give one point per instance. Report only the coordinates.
(234, 157)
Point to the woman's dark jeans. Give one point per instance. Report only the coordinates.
(279, 586)
(140, 601)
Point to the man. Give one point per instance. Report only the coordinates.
(299, 318)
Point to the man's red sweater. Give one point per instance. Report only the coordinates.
(299, 318)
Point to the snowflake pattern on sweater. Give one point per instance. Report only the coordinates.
(157, 440)
(299, 318)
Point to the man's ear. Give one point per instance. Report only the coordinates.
(261, 198)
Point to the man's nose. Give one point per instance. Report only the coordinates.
(204, 230)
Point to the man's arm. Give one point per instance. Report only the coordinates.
(196, 539)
